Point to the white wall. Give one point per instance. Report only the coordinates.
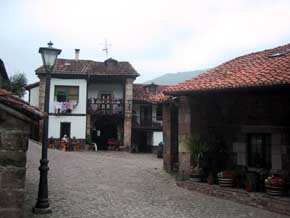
(157, 138)
(81, 83)
(136, 108)
(34, 96)
(94, 90)
(78, 126)
(154, 107)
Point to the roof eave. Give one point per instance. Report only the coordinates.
(190, 92)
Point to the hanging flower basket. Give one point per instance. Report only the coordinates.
(225, 179)
(275, 185)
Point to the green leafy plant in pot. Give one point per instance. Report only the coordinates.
(197, 147)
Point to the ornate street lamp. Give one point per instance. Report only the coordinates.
(49, 55)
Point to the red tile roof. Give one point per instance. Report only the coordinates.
(7, 98)
(265, 68)
(142, 95)
(83, 67)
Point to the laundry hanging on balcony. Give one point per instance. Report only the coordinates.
(64, 107)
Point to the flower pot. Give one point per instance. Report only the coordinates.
(248, 188)
(275, 190)
(210, 181)
(225, 182)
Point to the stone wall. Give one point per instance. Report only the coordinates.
(184, 131)
(14, 135)
(229, 117)
(170, 137)
(166, 137)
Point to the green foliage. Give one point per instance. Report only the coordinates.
(17, 83)
(196, 146)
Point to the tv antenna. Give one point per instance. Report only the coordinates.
(106, 48)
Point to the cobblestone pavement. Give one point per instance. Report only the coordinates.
(120, 184)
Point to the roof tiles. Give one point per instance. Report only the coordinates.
(141, 94)
(251, 70)
(83, 67)
(7, 98)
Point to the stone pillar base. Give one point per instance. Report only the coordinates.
(41, 210)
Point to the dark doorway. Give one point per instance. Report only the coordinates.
(139, 139)
(104, 129)
(146, 115)
(65, 129)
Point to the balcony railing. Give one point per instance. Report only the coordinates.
(146, 123)
(105, 106)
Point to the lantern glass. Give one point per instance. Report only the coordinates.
(49, 56)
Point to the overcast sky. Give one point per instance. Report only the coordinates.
(156, 36)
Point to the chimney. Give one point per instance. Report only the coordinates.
(77, 54)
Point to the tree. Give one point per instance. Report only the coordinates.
(17, 83)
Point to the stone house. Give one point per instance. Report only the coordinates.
(16, 120)
(147, 122)
(100, 95)
(89, 99)
(242, 105)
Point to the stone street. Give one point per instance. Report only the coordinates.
(121, 184)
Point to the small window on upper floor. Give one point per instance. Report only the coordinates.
(66, 93)
(152, 89)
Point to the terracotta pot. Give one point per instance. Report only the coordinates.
(248, 188)
(225, 182)
(210, 181)
(275, 190)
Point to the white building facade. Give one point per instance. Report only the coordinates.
(94, 103)
(90, 101)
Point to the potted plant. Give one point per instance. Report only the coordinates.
(197, 147)
(249, 183)
(275, 185)
(210, 178)
(225, 178)
(239, 176)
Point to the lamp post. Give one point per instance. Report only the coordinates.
(49, 55)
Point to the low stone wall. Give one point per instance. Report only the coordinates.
(13, 145)
(261, 200)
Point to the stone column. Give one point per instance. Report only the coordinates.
(88, 127)
(166, 116)
(128, 104)
(184, 131)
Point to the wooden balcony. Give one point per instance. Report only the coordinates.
(105, 107)
(148, 123)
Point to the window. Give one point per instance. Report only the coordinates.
(152, 89)
(159, 113)
(66, 93)
(259, 150)
(64, 129)
(106, 104)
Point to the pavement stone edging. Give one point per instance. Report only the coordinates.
(259, 200)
